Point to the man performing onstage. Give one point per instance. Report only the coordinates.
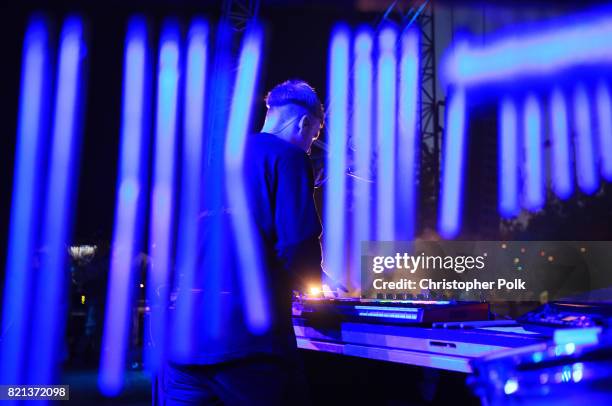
(230, 364)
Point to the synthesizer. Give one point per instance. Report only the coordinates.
(411, 312)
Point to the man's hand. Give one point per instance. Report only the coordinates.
(331, 287)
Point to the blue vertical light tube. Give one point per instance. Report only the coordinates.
(255, 300)
(162, 195)
(48, 329)
(453, 166)
(191, 184)
(408, 141)
(362, 130)
(604, 117)
(337, 122)
(508, 178)
(128, 221)
(586, 158)
(533, 192)
(562, 182)
(219, 100)
(386, 96)
(24, 206)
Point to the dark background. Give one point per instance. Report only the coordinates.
(297, 36)
(297, 40)
(296, 44)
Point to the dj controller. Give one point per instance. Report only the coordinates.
(560, 351)
(545, 319)
(567, 315)
(407, 312)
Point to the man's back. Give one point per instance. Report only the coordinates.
(272, 223)
(278, 186)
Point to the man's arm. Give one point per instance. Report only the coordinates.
(298, 227)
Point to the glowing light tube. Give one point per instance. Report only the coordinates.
(48, 328)
(130, 195)
(385, 133)
(540, 54)
(162, 195)
(191, 186)
(408, 142)
(562, 181)
(604, 115)
(335, 196)
(25, 197)
(533, 192)
(222, 74)
(586, 159)
(508, 178)
(256, 306)
(362, 129)
(453, 163)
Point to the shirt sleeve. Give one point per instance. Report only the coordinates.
(297, 223)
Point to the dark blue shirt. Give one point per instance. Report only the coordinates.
(279, 188)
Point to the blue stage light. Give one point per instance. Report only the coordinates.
(586, 159)
(219, 95)
(562, 181)
(534, 54)
(128, 222)
(537, 356)
(533, 188)
(335, 196)
(408, 140)
(386, 97)
(451, 194)
(604, 117)
(511, 386)
(256, 306)
(508, 178)
(48, 328)
(191, 186)
(566, 374)
(526, 54)
(31, 134)
(162, 195)
(588, 336)
(577, 372)
(362, 140)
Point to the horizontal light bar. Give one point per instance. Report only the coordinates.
(584, 41)
(395, 315)
(387, 309)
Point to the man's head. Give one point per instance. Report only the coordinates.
(295, 113)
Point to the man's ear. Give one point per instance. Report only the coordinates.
(303, 123)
